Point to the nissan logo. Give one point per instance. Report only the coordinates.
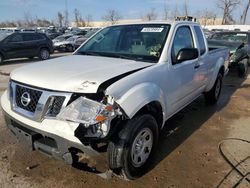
(25, 99)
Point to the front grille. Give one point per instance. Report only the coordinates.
(34, 98)
(37, 103)
(57, 103)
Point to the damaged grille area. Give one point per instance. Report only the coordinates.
(55, 106)
(34, 98)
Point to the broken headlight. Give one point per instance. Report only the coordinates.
(87, 112)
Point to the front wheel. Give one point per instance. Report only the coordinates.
(44, 54)
(212, 96)
(132, 152)
(243, 68)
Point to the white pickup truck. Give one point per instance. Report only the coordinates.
(118, 89)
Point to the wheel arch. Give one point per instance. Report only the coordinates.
(219, 68)
(144, 98)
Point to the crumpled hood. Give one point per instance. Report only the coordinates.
(74, 73)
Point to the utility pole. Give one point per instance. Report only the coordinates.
(66, 20)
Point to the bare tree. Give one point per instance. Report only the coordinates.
(60, 19)
(28, 20)
(43, 22)
(112, 16)
(88, 21)
(207, 17)
(78, 18)
(151, 15)
(8, 24)
(244, 14)
(228, 6)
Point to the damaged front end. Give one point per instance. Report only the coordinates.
(94, 118)
(239, 54)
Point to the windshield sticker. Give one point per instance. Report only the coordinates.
(152, 29)
(241, 34)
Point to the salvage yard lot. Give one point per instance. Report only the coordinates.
(187, 156)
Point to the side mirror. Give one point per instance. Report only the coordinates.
(186, 54)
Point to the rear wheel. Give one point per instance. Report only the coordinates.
(213, 95)
(243, 68)
(130, 155)
(44, 54)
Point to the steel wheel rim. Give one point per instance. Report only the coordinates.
(44, 54)
(141, 147)
(217, 89)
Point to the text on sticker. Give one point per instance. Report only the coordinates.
(152, 29)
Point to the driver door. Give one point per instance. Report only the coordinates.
(182, 73)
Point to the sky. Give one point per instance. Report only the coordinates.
(11, 10)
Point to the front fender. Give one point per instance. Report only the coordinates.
(140, 95)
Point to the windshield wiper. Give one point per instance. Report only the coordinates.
(89, 53)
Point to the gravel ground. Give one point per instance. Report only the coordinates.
(188, 154)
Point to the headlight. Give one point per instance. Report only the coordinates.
(86, 111)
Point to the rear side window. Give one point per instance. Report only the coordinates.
(39, 37)
(28, 37)
(200, 39)
(183, 39)
(16, 38)
(32, 37)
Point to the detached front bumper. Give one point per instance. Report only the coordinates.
(50, 137)
(49, 144)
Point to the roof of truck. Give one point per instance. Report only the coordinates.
(159, 22)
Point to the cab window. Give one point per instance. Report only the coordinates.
(183, 39)
(200, 39)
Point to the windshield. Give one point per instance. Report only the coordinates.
(3, 36)
(231, 37)
(140, 42)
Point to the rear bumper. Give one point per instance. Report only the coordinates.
(47, 143)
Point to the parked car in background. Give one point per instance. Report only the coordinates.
(61, 38)
(239, 44)
(208, 33)
(25, 44)
(82, 39)
(66, 45)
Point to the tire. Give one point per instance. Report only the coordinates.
(44, 54)
(69, 48)
(212, 96)
(1, 59)
(243, 68)
(139, 134)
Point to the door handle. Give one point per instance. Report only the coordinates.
(197, 66)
